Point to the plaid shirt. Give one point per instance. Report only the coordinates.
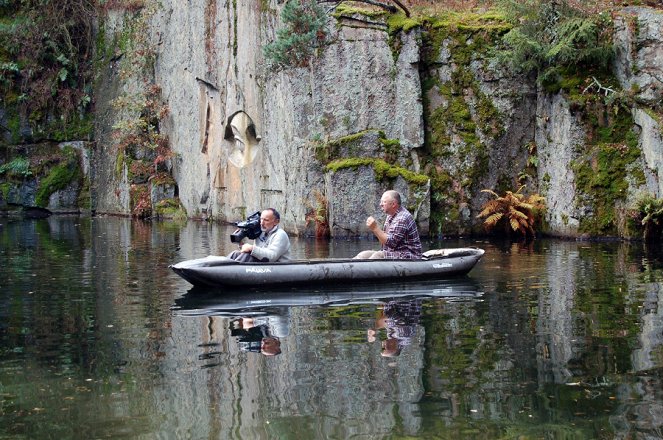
(402, 236)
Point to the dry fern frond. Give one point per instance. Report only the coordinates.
(515, 224)
(492, 220)
(517, 214)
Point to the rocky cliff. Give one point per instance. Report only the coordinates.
(208, 127)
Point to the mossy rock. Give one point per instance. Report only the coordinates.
(59, 177)
(383, 170)
(368, 143)
(170, 209)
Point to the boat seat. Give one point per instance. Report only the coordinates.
(445, 253)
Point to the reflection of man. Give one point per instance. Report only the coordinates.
(400, 238)
(400, 320)
(273, 243)
(260, 334)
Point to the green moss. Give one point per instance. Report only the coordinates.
(602, 180)
(392, 148)
(399, 22)
(348, 139)
(59, 177)
(235, 39)
(76, 129)
(119, 163)
(84, 199)
(383, 170)
(326, 152)
(264, 6)
(163, 179)
(170, 208)
(5, 188)
(565, 219)
(608, 163)
(14, 127)
(490, 21)
(345, 10)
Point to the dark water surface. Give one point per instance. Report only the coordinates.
(99, 339)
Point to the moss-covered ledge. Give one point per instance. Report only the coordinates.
(354, 145)
(383, 170)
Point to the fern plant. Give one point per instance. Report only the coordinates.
(19, 168)
(512, 213)
(319, 215)
(650, 213)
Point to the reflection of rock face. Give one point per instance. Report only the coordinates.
(241, 132)
(557, 337)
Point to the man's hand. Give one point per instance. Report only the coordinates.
(371, 223)
(247, 248)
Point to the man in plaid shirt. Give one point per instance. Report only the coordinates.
(400, 238)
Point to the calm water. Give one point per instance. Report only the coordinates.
(99, 339)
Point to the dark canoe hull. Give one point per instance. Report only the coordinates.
(215, 271)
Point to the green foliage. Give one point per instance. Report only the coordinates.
(19, 168)
(549, 36)
(45, 62)
(649, 215)
(304, 32)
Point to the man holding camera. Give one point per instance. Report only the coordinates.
(271, 245)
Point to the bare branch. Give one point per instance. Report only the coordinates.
(402, 6)
(600, 88)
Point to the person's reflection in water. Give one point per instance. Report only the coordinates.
(400, 320)
(260, 334)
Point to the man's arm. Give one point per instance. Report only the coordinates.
(375, 229)
(278, 245)
(398, 233)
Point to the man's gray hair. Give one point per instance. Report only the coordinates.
(395, 195)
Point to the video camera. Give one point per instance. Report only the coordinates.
(248, 228)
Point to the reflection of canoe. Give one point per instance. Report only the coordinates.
(220, 271)
(205, 301)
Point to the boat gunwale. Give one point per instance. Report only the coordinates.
(469, 252)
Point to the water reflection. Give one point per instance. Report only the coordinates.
(98, 338)
(252, 301)
(400, 319)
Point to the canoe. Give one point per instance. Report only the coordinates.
(256, 301)
(216, 271)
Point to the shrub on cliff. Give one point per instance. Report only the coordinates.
(304, 31)
(45, 67)
(549, 36)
